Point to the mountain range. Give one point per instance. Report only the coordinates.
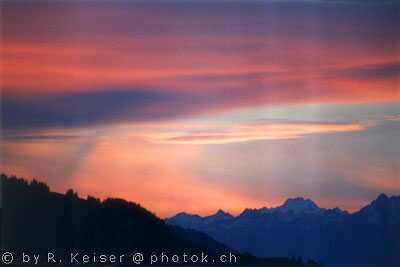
(299, 227)
(35, 220)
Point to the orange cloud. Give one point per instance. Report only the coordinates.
(223, 133)
(201, 80)
(224, 80)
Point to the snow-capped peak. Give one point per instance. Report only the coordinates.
(299, 204)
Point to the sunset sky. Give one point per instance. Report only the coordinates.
(200, 105)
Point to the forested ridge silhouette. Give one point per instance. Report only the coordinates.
(36, 220)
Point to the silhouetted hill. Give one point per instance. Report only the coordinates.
(299, 227)
(35, 220)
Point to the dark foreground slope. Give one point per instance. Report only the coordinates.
(35, 220)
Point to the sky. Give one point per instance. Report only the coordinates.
(203, 105)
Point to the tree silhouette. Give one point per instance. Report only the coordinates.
(35, 220)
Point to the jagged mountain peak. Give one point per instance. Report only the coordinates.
(221, 212)
(250, 212)
(219, 215)
(382, 203)
(382, 198)
(299, 204)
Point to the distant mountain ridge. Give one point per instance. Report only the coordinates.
(35, 220)
(300, 227)
(296, 205)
